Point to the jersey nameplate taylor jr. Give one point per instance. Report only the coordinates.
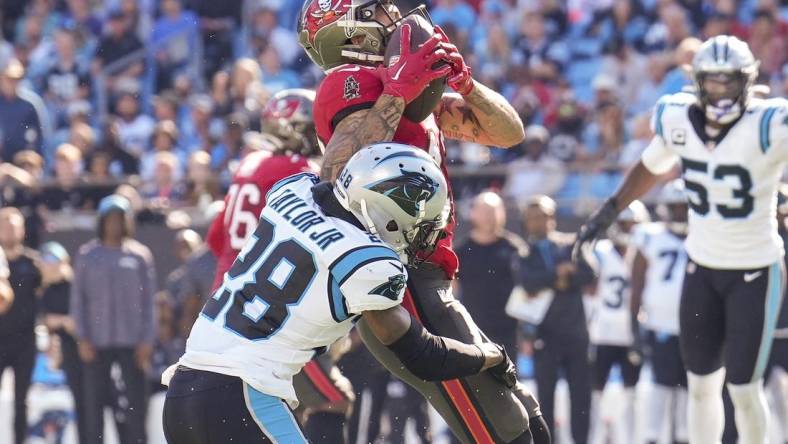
(731, 181)
(295, 288)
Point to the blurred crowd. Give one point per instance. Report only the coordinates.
(167, 94)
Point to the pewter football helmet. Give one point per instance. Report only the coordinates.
(727, 60)
(620, 231)
(673, 207)
(398, 193)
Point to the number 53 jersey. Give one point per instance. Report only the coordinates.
(731, 180)
(296, 287)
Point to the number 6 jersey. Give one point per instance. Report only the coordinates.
(731, 180)
(296, 287)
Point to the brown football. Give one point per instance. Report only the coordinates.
(420, 30)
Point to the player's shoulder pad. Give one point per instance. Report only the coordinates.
(345, 89)
(312, 178)
(370, 277)
(772, 121)
(668, 108)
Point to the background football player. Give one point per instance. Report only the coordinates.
(733, 150)
(322, 256)
(326, 396)
(657, 275)
(611, 331)
(361, 101)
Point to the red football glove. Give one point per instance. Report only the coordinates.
(408, 77)
(460, 78)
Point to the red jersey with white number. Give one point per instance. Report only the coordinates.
(256, 174)
(350, 88)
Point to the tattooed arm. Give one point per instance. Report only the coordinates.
(377, 124)
(482, 116)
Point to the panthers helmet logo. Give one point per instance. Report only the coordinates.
(409, 191)
(392, 288)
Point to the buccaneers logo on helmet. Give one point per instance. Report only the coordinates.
(323, 12)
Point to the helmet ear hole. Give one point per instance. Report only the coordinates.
(392, 226)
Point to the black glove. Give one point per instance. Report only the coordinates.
(505, 371)
(597, 224)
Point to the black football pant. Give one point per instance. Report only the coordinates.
(19, 353)
(72, 367)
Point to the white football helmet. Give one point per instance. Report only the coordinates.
(673, 207)
(727, 65)
(620, 231)
(398, 193)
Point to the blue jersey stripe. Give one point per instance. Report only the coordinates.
(774, 293)
(658, 120)
(337, 301)
(765, 128)
(351, 261)
(274, 417)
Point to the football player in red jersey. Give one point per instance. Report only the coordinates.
(362, 102)
(326, 396)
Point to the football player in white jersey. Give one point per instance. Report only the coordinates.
(322, 256)
(732, 149)
(657, 275)
(611, 327)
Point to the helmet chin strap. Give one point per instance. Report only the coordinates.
(365, 215)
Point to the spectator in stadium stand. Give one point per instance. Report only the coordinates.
(84, 21)
(164, 186)
(17, 322)
(65, 80)
(196, 133)
(535, 171)
(678, 77)
(202, 188)
(20, 124)
(561, 338)
(455, 12)
(229, 148)
(118, 42)
(266, 30)
(122, 162)
(57, 275)
(71, 189)
(246, 91)
(767, 41)
(544, 55)
(275, 77)
(163, 139)
(218, 23)
(134, 127)
(113, 306)
(485, 275)
(179, 29)
(628, 68)
(672, 26)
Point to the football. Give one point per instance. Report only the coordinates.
(421, 30)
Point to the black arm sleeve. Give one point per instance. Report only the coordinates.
(436, 358)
